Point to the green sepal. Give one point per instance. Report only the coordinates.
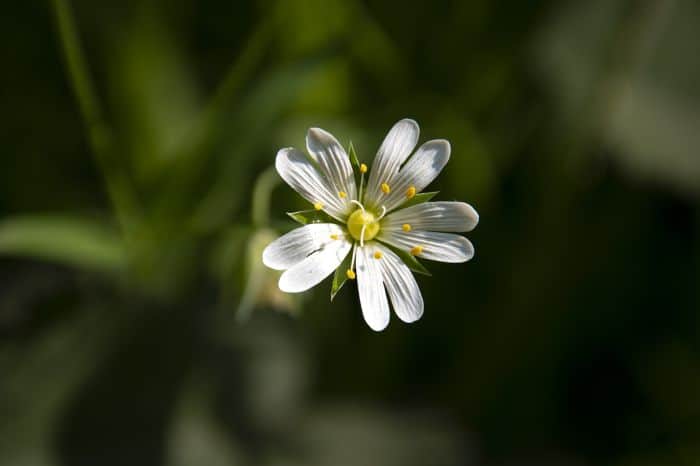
(310, 216)
(409, 260)
(353, 156)
(340, 276)
(419, 199)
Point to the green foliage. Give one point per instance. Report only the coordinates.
(340, 276)
(310, 216)
(419, 199)
(68, 240)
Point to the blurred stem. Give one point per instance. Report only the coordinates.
(99, 133)
(262, 192)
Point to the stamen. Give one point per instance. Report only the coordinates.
(334, 236)
(350, 274)
(318, 206)
(416, 250)
(352, 261)
(410, 192)
(342, 194)
(362, 235)
(406, 227)
(358, 204)
(386, 189)
(377, 254)
(363, 170)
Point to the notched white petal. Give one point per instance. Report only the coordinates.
(375, 307)
(401, 285)
(395, 149)
(441, 247)
(313, 269)
(333, 161)
(420, 170)
(445, 216)
(302, 176)
(295, 246)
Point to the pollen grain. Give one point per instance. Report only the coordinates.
(416, 250)
(386, 189)
(406, 227)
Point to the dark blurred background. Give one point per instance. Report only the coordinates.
(139, 327)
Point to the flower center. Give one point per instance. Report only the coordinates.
(362, 219)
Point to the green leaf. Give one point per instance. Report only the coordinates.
(340, 276)
(410, 260)
(310, 216)
(353, 156)
(419, 199)
(70, 240)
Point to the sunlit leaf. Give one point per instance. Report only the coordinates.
(410, 261)
(340, 276)
(70, 240)
(353, 156)
(310, 216)
(419, 199)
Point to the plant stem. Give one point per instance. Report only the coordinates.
(262, 191)
(99, 134)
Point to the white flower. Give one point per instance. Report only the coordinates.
(370, 221)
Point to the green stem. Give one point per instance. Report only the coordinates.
(99, 133)
(262, 191)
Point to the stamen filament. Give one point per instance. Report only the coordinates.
(358, 204)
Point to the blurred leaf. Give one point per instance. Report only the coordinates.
(410, 260)
(153, 90)
(419, 199)
(241, 129)
(340, 276)
(71, 240)
(311, 216)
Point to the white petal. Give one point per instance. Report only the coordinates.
(441, 247)
(333, 162)
(292, 248)
(300, 174)
(375, 307)
(434, 216)
(401, 285)
(396, 148)
(420, 170)
(312, 270)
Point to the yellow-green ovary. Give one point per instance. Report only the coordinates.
(359, 219)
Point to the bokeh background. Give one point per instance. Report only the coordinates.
(138, 326)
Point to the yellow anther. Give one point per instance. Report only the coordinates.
(377, 254)
(342, 194)
(410, 192)
(416, 250)
(334, 236)
(363, 168)
(406, 227)
(385, 188)
(350, 274)
(318, 206)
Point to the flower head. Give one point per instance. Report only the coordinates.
(373, 233)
